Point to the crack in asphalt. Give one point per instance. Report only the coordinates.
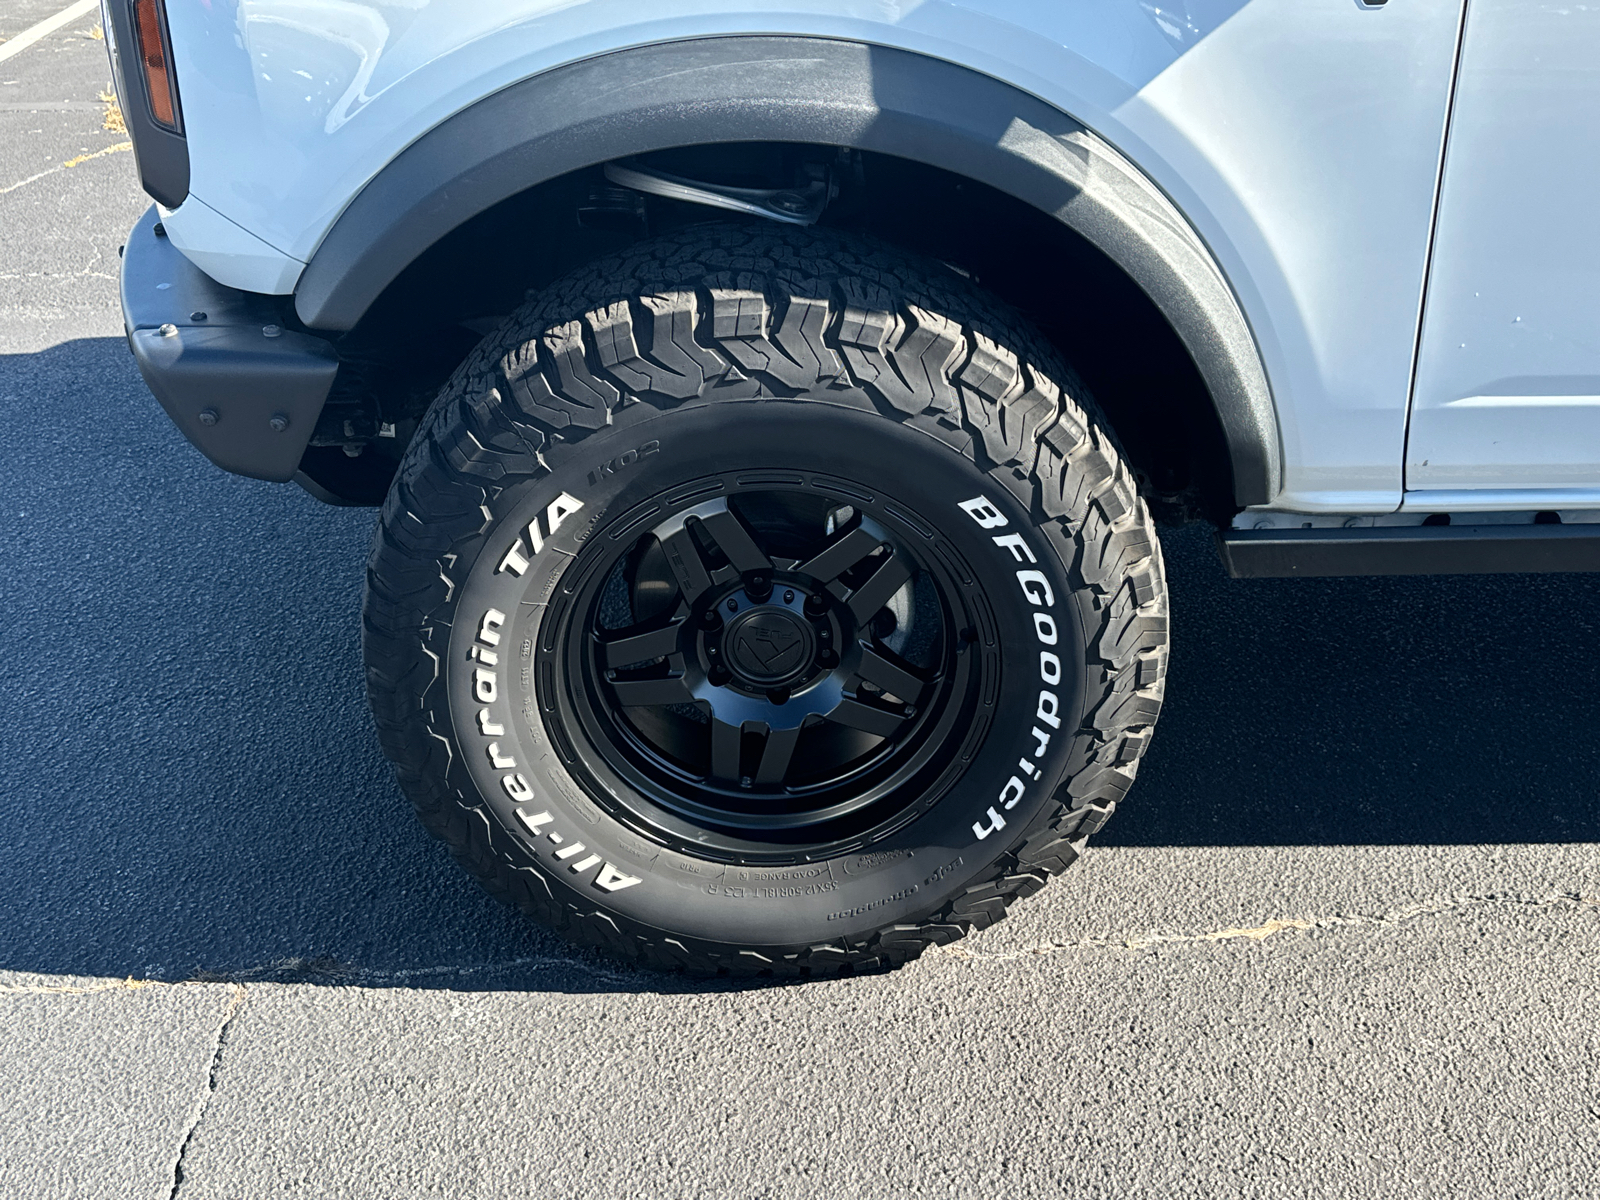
(1277, 925)
(211, 1086)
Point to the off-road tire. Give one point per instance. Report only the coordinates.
(708, 329)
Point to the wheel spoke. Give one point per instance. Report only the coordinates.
(725, 740)
(683, 556)
(637, 647)
(651, 693)
(841, 556)
(889, 676)
(776, 754)
(734, 540)
(872, 595)
(864, 717)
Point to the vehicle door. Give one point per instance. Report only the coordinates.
(1507, 390)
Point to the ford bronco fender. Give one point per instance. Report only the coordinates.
(751, 89)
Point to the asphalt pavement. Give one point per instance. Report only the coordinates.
(1344, 939)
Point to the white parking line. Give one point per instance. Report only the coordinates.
(46, 27)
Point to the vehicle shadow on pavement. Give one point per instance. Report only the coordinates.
(1427, 710)
(191, 786)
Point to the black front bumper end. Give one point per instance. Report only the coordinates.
(246, 391)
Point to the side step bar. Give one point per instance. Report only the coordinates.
(1409, 550)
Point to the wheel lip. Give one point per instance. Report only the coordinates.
(942, 734)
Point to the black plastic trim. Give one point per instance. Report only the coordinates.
(161, 154)
(790, 89)
(1409, 550)
(205, 351)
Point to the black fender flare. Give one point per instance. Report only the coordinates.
(815, 90)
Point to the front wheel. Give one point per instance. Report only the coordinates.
(761, 600)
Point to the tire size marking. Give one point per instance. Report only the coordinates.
(515, 559)
(484, 653)
(1037, 591)
(775, 892)
(776, 883)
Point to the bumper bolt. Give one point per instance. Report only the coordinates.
(271, 331)
(209, 416)
(197, 317)
(168, 330)
(279, 422)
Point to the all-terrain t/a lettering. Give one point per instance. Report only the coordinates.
(485, 687)
(515, 560)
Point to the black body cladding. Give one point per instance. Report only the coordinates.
(1410, 550)
(162, 154)
(247, 398)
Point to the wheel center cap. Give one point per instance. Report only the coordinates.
(767, 646)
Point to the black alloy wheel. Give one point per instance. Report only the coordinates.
(765, 676)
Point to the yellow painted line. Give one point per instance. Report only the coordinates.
(71, 162)
(46, 27)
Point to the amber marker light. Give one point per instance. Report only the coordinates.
(161, 84)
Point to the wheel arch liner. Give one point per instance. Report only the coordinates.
(793, 89)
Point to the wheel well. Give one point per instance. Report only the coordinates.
(429, 318)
